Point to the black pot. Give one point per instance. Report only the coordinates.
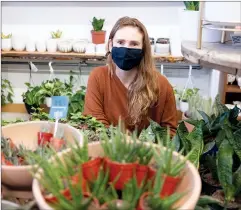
(207, 187)
(29, 107)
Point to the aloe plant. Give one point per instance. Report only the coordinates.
(192, 5)
(56, 34)
(8, 36)
(97, 24)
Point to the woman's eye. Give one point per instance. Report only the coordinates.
(120, 42)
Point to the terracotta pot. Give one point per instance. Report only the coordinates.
(25, 133)
(44, 138)
(57, 144)
(141, 202)
(142, 173)
(91, 169)
(98, 37)
(189, 126)
(169, 185)
(125, 171)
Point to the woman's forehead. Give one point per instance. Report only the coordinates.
(129, 33)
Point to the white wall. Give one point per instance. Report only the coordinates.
(36, 19)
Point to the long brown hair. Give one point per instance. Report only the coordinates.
(144, 89)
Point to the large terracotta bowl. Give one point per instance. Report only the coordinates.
(26, 134)
(191, 183)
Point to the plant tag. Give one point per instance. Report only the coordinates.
(59, 107)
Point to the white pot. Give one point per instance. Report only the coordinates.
(18, 43)
(6, 44)
(189, 28)
(230, 78)
(65, 46)
(41, 46)
(80, 46)
(238, 78)
(100, 49)
(52, 45)
(90, 48)
(162, 49)
(224, 11)
(30, 46)
(184, 106)
(48, 101)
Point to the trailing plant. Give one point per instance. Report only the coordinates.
(33, 95)
(6, 92)
(8, 36)
(187, 94)
(7, 122)
(97, 24)
(56, 35)
(192, 5)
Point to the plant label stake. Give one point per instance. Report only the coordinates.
(59, 109)
(189, 80)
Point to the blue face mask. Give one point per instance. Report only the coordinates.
(126, 58)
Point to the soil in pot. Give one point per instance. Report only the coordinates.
(91, 169)
(210, 185)
(219, 195)
(123, 171)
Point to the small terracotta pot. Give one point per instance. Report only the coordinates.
(169, 185)
(44, 138)
(141, 202)
(98, 37)
(125, 171)
(91, 169)
(142, 173)
(56, 143)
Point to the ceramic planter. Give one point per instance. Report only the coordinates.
(142, 172)
(91, 169)
(90, 48)
(31, 46)
(100, 49)
(57, 143)
(190, 184)
(26, 134)
(189, 28)
(169, 185)
(44, 138)
(65, 46)
(41, 46)
(230, 78)
(125, 171)
(18, 43)
(6, 44)
(48, 101)
(184, 106)
(162, 47)
(80, 46)
(52, 45)
(98, 37)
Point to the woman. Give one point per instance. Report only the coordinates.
(129, 86)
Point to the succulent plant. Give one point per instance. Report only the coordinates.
(56, 35)
(8, 36)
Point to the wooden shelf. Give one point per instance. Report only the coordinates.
(233, 89)
(74, 56)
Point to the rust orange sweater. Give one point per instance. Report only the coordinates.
(106, 100)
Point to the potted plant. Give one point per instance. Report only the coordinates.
(6, 42)
(53, 42)
(98, 35)
(32, 98)
(41, 45)
(189, 20)
(186, 95)
(120, 156)
(6, 92)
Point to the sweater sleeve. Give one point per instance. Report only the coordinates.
(94, 98)
(169, 117)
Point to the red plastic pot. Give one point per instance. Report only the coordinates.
(44, 138)
(91, 169)
(124, 172)
(142, 173)
(151, 173)
(169, 185)
(4, 161)
(56, 143)
(141, 202)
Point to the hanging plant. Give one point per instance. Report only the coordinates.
(6, 92)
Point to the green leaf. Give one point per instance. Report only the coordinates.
(205, 200)
(208, 146)
(224, 165)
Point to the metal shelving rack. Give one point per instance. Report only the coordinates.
(214, 25)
